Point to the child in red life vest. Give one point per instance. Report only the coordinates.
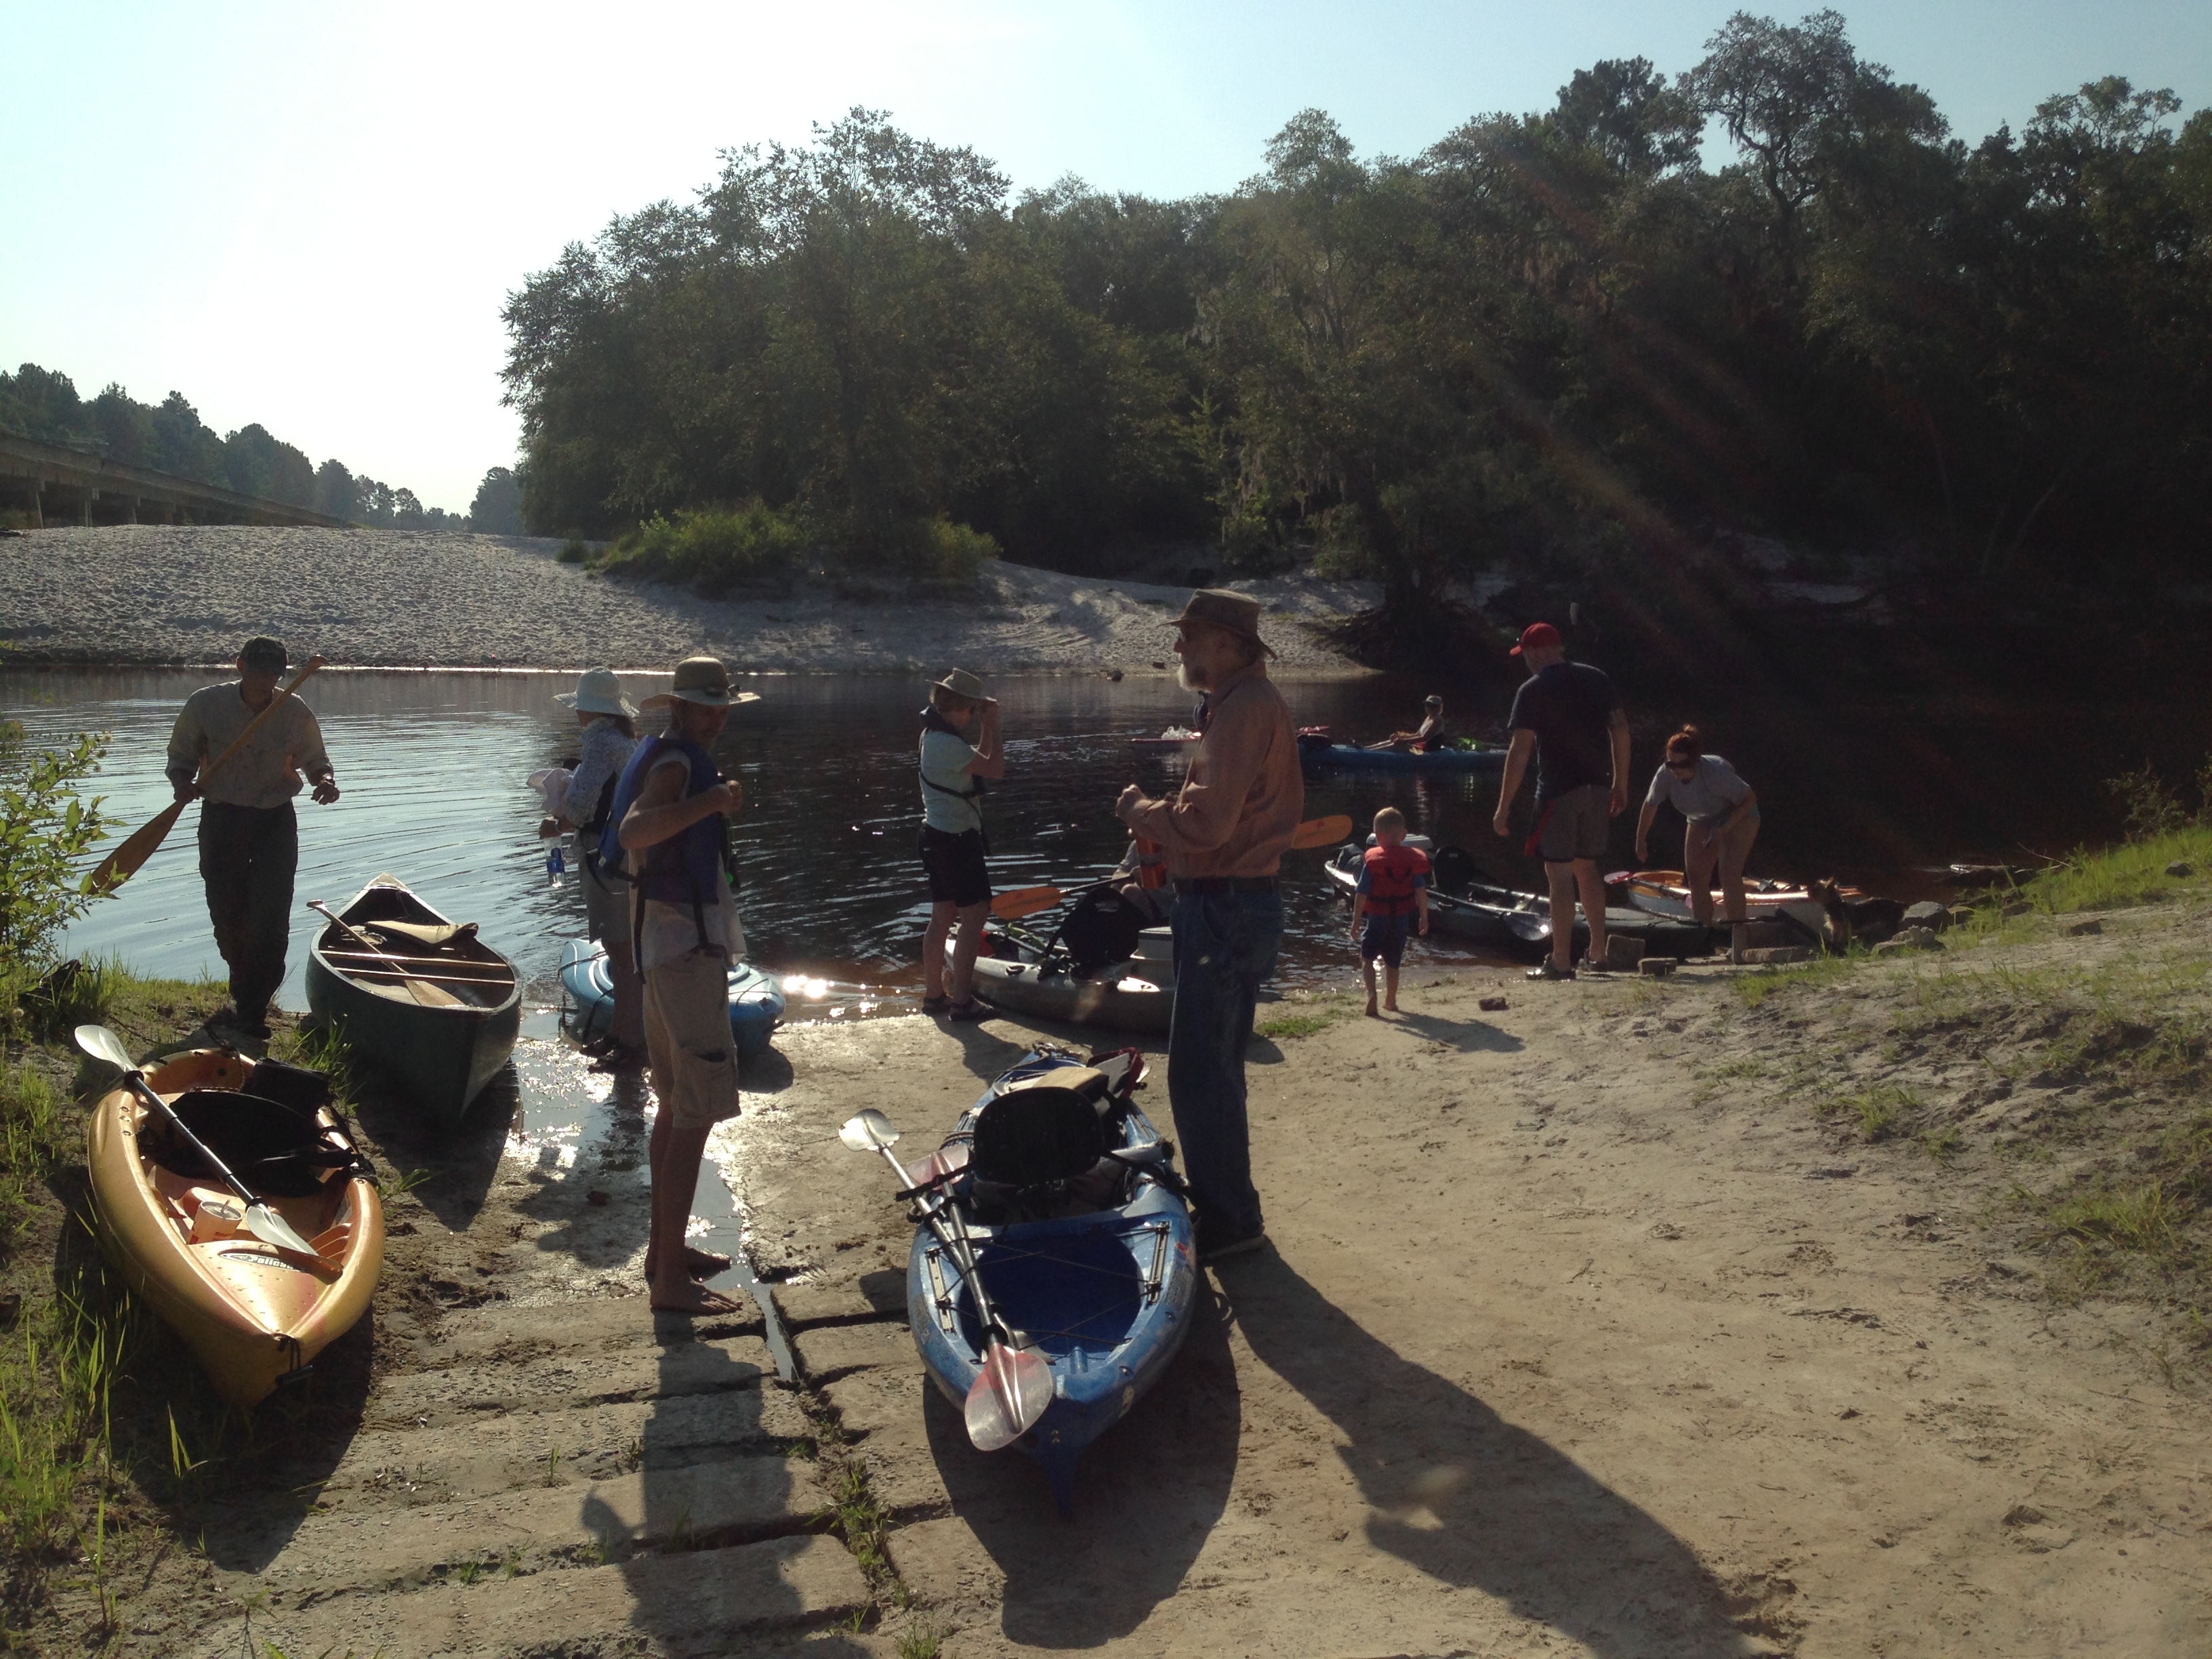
(1394, 889)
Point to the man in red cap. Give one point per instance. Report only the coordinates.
(1570, 715)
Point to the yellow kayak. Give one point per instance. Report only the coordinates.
(253, 1313)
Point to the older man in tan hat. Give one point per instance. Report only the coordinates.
(954, 773)
(1225, 834)
(669, 817)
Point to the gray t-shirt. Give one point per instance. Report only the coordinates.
(945, 763)
(1705, 795)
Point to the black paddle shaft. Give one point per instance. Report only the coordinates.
(239, 1188)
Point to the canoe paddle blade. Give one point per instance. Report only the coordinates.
(871, 1131)
(125, 862)
(1024, 901)
(1009, 1397)
(1320, 832)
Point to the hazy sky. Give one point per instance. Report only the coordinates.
(309, 215)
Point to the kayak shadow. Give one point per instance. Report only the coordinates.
(1476, 1501)
(1147, 1494)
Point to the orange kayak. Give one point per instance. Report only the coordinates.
(254, 1314)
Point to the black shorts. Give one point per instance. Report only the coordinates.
(955, 864)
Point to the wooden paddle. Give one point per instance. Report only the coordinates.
(430, 996)
(125, 862)
(1320, 832)
(1024, 901)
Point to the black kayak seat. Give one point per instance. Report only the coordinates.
(1043, 1129)
(273, 1148)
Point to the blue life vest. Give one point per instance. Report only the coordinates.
(684, 869)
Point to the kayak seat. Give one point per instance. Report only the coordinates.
(273, 1148)
(1454, 870)
(1102, 928)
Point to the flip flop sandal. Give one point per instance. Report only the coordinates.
(936, 1005)
(969, 1009)
(1551, 969)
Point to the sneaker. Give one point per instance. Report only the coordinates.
(969, 1009)
(1243, 1246)
(1550, 970)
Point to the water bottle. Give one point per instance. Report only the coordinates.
(554, 864)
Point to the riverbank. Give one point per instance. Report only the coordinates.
(1841, 1309)
(153, 594)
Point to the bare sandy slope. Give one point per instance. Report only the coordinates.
(150, 593)
(1580, 1334)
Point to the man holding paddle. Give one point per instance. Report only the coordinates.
(1225, 835)
(249, 835)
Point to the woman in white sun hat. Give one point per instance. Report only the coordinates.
(610, 723)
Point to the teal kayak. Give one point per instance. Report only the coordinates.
(1350, 757)
(756, 999)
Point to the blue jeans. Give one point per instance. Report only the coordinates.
(1224, 947)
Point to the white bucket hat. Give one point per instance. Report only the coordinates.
(598, 692)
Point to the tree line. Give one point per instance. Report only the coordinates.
(1556, 340)
(170, 437)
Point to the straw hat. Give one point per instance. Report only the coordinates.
(1222, 607)
(598, 692)
(704, 681)
(962, 683)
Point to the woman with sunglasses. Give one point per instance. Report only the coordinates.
(1722, 811)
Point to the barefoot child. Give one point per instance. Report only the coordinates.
(1394, 887)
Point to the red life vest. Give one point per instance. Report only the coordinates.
(1390, 871)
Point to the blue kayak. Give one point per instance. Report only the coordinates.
(756, 999)
(1350, 757)
(1096, 1273)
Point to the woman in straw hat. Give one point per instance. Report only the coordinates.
(953, 774)
(610, 723)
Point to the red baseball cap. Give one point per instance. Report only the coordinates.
(1536, 634)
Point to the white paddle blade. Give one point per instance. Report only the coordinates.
(1009, 1397)
(103, 1044)
(266, 1224)
(870, 1131)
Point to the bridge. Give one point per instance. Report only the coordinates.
(56, 484)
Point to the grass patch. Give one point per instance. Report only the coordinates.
(714, 551)
(1296, 1025)
(2131, 874)
(2145, 1218)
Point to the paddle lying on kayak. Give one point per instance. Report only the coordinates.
(1028, 901)
(416, 986)
(1015, 1386)
(264, 1222)
(119, 865)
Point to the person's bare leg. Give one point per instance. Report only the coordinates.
(1391, 987)
(963, 985)
(932, 947)
(1367, 979)
(1698, 875)
(1560, 877)
(1593, 894)
(1735, 851)
(697, 1263)
(677, 1155)
(630, 994)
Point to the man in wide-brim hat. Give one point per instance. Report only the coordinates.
(670, 814)
(249, 834)
(1224, 835)
(954, 773)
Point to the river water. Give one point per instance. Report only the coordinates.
(434, 763)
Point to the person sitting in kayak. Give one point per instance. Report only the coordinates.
(1721, 814)
(667, 823)
(1143, 873)
(1392, 890)
(1429, 735)
(953, 774)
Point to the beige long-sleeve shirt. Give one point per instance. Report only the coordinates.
(267, 772)
(1241, 801)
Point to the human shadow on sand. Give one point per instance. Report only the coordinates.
(1468, 1036)
(1472, 1500)
(1147, 1495)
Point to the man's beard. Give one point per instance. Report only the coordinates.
(1192, 679)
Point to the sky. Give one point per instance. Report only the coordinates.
(310, 215)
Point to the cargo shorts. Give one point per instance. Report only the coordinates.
(1574, 825)
(688, 1039)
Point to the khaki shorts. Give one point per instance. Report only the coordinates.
(1575, 825)
(687, 1036)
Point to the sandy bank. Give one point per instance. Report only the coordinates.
(1604, 1324)
(158, 594)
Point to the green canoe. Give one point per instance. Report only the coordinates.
(444, 1035)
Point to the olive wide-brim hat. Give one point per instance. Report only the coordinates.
(1223, 607)
(962, 683)
(704, 681)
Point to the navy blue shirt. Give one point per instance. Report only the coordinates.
(1569, 706)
